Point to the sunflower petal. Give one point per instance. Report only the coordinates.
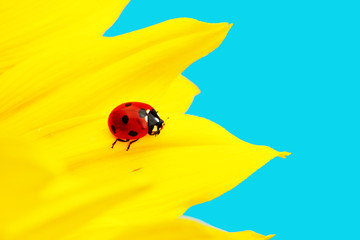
(192, 161)
(178, 97)
(21, 176)
(96, 76)
(41, 208)
(178, 229)
(28, 27)
(62, 215)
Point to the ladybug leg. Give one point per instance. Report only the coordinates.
(120, 140)
(131, 143)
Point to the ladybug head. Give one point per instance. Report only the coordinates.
(155, 123)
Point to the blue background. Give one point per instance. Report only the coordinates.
(286, 76)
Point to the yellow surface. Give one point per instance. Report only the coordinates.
(97, 75)
(28, 27)
(59, 177)
(177, 229)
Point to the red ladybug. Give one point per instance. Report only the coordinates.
(132, 121)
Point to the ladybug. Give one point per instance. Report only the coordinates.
(131, 121)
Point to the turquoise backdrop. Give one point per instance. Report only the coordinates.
(286, 76)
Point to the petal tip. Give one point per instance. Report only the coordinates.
(227, 26)
(269, 236)
(284, 154)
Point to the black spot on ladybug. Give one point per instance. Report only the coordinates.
(125, 119)
(142, 113)
(127, 104)
(113, 128)
(132, 133)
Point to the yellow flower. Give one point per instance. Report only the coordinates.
(59, 81)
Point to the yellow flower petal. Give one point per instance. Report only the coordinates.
(177, 229)
(96, 76)
(192, 161)
(178, 97)
(92, 197)
(63, 96)
(28, 27)
(57, 216)
(38, 203)
(21, 176)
